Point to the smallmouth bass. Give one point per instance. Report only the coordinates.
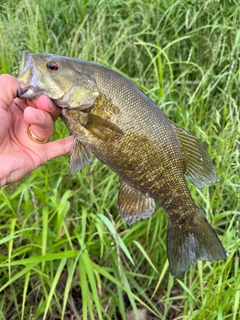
(112, 119)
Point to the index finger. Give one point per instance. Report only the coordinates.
(46, 104)
(10, 84)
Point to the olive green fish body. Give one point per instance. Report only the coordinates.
(111, 118)
(141, 155)
(145, 128)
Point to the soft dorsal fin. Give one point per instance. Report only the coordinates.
(199, 167)
(133, 205)
(80, 156)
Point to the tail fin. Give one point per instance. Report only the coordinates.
(195, 240)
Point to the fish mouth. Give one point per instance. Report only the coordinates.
(27, 91)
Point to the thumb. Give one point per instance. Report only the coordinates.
(10, 84)
(5, 122)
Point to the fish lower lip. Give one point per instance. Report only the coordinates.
(21, 90)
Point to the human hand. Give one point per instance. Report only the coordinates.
(19, 154)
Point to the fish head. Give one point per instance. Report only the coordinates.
(57, 77)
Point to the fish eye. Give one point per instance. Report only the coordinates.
(52, 66)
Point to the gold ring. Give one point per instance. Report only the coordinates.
(34, 138)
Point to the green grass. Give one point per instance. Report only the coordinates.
(64, 250)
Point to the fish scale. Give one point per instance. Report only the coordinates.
(114, 120)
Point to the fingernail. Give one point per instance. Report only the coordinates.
(51, 105)
(40, 115)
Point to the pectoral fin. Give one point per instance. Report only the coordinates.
(79, 156)
(102, 128)
(133, 205)
(199, 167)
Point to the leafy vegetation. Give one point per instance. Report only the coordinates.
(64, 251)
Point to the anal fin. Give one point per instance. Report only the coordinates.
(79, 156)
(133, 205)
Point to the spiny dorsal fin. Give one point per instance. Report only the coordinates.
(102, 128)
(133, 205)
(79, 156)
(199, 167)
